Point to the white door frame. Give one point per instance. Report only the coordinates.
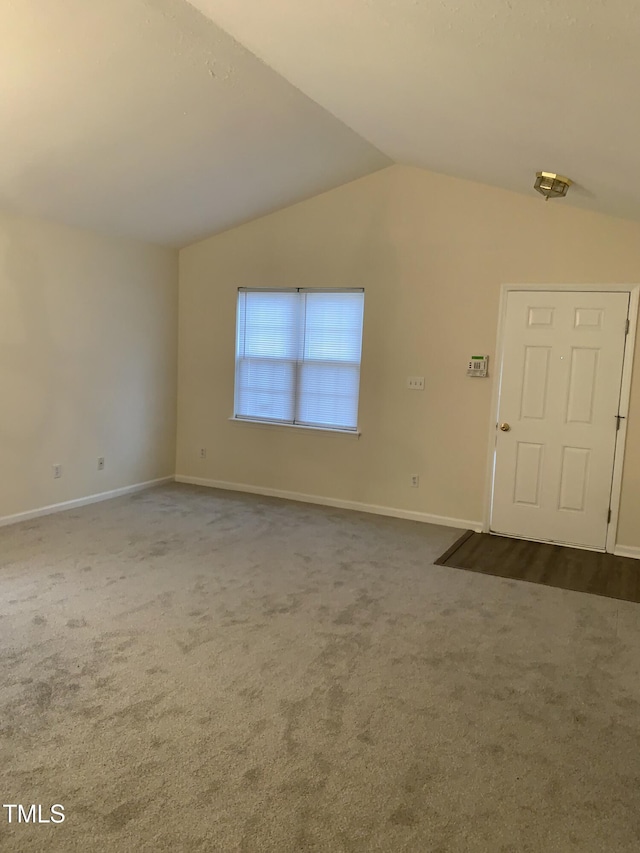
(634, 301)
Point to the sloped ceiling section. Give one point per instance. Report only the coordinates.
(144, 118)
(491, 90)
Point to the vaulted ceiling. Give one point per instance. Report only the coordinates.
(143, 118)
(167, 120)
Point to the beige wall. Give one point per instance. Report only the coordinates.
(431, 252)
(88, 339)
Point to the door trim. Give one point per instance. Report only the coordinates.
(625, 393)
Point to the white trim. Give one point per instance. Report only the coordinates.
(495, 402)
(394, 512)
(634, 303)
(89, 499)
(627, 551)
(621, 438)
(253, 422)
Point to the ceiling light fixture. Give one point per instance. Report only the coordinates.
(551, 185)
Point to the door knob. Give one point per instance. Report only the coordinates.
(505, 427)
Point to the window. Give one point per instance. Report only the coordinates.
(298, 357)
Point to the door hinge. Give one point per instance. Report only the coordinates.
(626, 328)
(609, 516)
(618, 419)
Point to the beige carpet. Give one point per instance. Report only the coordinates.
(189, 670)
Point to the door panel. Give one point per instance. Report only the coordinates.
(574, 474)
(560, 384)
(535, 382)
(583, 376)
(527, 474)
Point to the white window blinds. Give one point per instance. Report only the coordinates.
(298, 356)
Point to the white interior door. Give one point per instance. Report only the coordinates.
(560, 384)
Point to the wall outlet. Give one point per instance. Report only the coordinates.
(415, 481)
(203, 453)
(57, 471)
(100, 463)
(415, 383)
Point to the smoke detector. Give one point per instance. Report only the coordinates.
(551, 185)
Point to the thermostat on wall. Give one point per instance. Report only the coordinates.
(478, 365)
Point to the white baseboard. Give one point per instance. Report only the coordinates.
(627, 551)
(394, 512)
(89, 499)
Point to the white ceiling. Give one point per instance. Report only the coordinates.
(143, 118)
(146, 118)
(491, 90)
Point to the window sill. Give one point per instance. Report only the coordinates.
(276, 425)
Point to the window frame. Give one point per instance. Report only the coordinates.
(298, 364)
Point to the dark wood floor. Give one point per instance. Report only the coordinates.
(553, 565)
